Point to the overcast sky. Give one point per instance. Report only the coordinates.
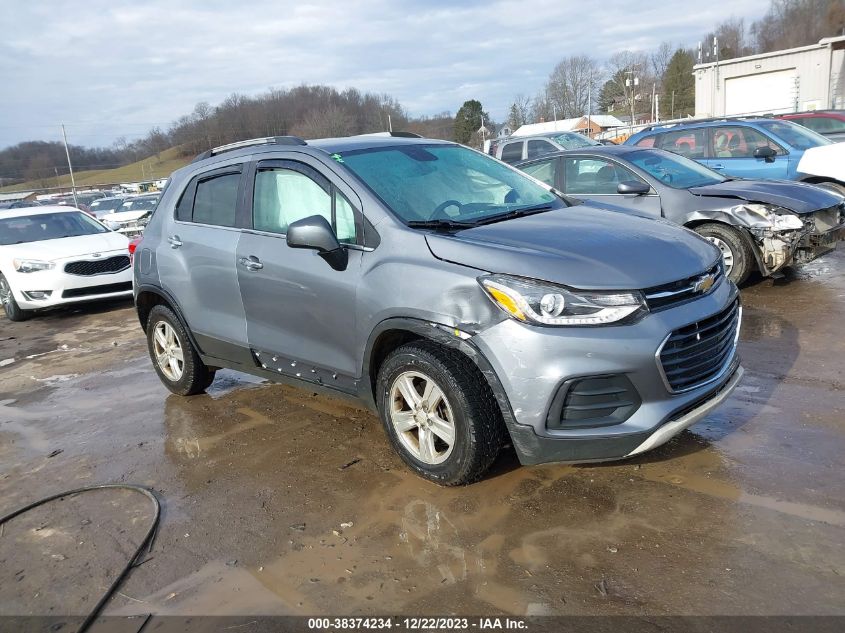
(109, 68)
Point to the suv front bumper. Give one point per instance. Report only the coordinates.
(532, 365)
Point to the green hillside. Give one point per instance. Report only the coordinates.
(151, 168)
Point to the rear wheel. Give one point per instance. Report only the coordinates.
(176, 362)
(736, 254)
(439, 413)
(13, 311)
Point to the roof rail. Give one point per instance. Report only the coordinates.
(394, 134)
(738, 117)
(267, 140)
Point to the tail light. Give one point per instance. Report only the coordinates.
(133, 246)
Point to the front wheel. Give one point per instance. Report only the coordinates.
(176, 362)
(439, 413)
(13, 311)
(736, 254)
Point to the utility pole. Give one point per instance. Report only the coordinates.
(70, 168)
(589, 105)
(389, 124)
(672, 115)
(633, 82)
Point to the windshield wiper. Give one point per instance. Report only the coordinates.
(516, 213)
(439, 224)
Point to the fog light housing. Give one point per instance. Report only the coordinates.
(593, 401)
(37, 295)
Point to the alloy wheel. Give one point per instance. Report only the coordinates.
(727, 253)
(5, 293)
(422, 417)
(168, 351)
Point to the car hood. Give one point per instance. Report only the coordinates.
(583, 247)
(68, 247)
(124, 216)
(795, 196)
(827, 161)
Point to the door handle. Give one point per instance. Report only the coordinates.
(174, 240)
(717, 166)
(251, 263)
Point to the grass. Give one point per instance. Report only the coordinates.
(150, 168)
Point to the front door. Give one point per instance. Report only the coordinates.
(596, 179)
(300, 311)
(733, 154)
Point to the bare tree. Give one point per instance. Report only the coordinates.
(520, 111)
(660, 61)
(572, 85)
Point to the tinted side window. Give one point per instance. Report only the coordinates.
(216, 200)
(544, 171)
(740, 142)
(283, 196)
(595, 176)
(648, 141)
(512, 152)
(689, 143)
(538, 148)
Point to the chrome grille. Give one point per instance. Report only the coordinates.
(699, 353)
(671, 294)
(89, 268)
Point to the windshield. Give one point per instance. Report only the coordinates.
(445, 182)
(47, 226)
(796, 135)
(569, 140)
(138, 204)
(671, 169)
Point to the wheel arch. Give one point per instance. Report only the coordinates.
(148, 297)
(395, 332)
(742, 232)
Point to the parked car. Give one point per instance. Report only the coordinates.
(758, 147)
(760, 225)
(105, 206)
(459, 298)
(132, 215)
(516, 148)
(828, 123)
(54, 255)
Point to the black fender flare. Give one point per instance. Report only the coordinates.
(172, 304)
(446, 335)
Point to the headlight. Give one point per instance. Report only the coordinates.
(544, 303)
(31, 265)
(779, 218)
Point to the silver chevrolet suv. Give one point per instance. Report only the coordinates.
(467, 303)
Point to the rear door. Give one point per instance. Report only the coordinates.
(300, 311)
(196, 261)
(733, 153)
(596, 178)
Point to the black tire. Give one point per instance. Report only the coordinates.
(478, 424)
(743, 259)
(196, 377)
(13, 311)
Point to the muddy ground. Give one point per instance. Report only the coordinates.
(276, 500)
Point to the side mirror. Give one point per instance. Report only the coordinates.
(766, 153)
(315, 233)
(632, 187)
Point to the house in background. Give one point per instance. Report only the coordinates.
(8, 199)
(591, 126)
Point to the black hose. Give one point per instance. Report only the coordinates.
(146, 543)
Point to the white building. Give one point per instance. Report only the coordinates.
(806, 78)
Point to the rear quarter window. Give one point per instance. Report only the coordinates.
(512, 152)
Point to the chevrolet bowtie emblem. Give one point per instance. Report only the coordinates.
(703, 283)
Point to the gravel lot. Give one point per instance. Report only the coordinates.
(276, 500)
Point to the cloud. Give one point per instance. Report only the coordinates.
(113, 68)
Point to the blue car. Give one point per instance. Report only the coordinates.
(758, 147)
